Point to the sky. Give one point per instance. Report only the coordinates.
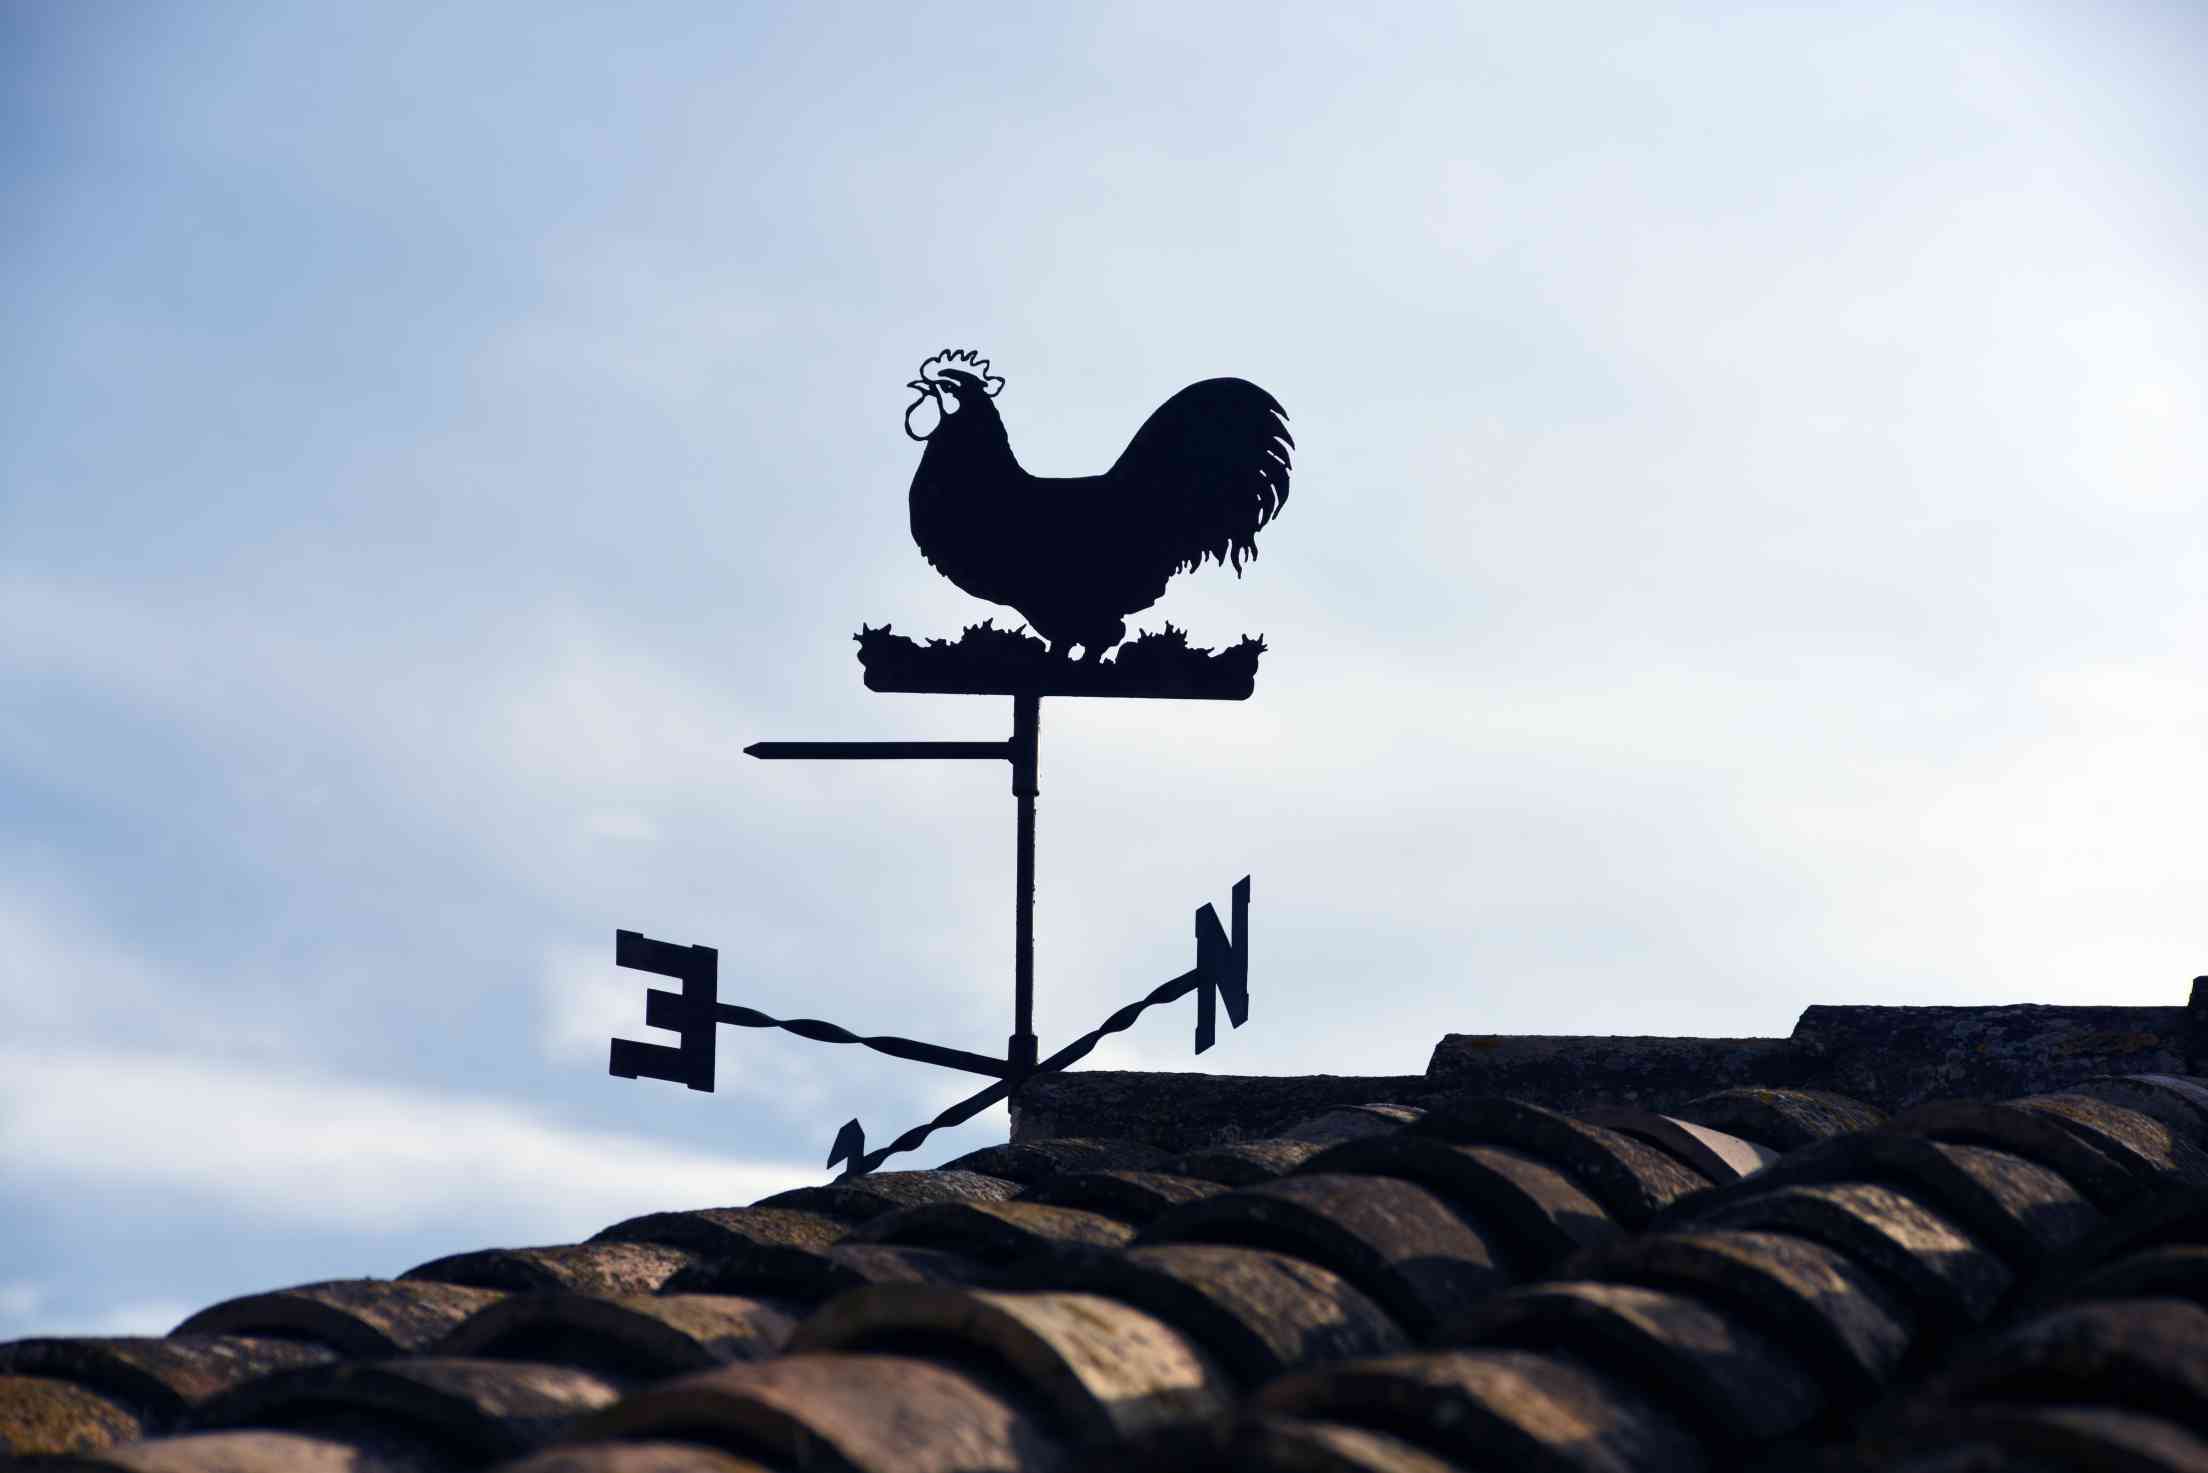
(1745, 550)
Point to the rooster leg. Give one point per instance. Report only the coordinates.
(1092, 650)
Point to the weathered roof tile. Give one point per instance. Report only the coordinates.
(709, 1231)
(472, 1409)
(994, 1233)
(2179, 1272)
(637, 1336)
(857, 1198)
(2146, 1355)
(1945, 1275)
(2145, 1144)
(2030, 1134)
(580, 1268)
(810, 1277)
(2056, 1439)
(1771, 1277)
(873, 1413)
(1028, 1162)
(1709, 1367)
(1782, 1119)
(2020, 1209)
(256, 1452)
(158, 1379)
(1243, 1163)
(1497, 1408)
(1107, 1370)
(1812, 1298)
(1632, 1181)
(1407, 1248)
(1133, 1197)
(41, 1415)
(1715, 1154)
(740, 1249)
(354, 1317)
(1257, 1313)
(1539, 1216)
(633, 1457)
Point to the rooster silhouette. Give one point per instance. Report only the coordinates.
(1074, 554)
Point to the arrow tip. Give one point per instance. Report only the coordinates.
(850, 1144)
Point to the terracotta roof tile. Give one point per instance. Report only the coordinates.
(757, 1250)
(471, 1410)
(2179, 1272)
(1497, 1408)
(158, 1379)
(252, 1452)
(2047, 1439)
(788, 1276)
(581, 1268)
(1257, 1313)
(2105, 1181)
(1104, 1369)
(629, 1338)
(1776, 1278)
(1028, 1162)
(1943, 1274)
(2148, 1355)
(2181, 1104)
(1243, 1163)
(2148, 1146)
(855, 1199)
(1290, 1445)
(1714, 1154)
(42, 1415)
(874, 1413)
(1133, 1197)
(1405, 1247)
(2018, 1208)
(1352, 1122)
(717, 1231)
(1782, 1119)
(1632, 1181)
(1819, 1302)
(1537, 1216)
(633, 1457)
(1735, 1383)
(354, 1317)
(1258, 1443)
(994, 1233)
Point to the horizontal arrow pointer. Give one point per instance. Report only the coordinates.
(881, 1043)
(870, 751)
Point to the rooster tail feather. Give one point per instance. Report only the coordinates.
(1205, 473)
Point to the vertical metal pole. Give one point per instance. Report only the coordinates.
(1020, 1054)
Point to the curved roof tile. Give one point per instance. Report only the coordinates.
(1768, 1275)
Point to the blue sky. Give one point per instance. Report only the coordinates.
(1745, 551)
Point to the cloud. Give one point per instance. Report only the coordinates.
(334, 1153)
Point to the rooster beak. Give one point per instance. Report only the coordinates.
(922, 385)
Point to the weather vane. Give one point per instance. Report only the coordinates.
(1074, 556)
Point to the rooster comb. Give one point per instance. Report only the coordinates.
(964, 360)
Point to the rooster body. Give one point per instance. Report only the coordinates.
(1074, 555)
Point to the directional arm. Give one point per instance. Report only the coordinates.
(876, 751)
(1222, 967)
(697, 1009)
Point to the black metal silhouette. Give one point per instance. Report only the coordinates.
(1221, 974)
(1075, 554)
(1203, 474)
